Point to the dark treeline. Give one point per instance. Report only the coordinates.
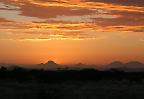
(35, 75)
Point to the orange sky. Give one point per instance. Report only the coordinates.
(71, 31)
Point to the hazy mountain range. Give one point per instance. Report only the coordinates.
(129, 66)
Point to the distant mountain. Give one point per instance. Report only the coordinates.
(4, 64)
(49, 65)
(134, 64)
(115, 64)
(130, 66)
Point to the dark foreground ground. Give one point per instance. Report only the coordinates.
(72, 90)
(21, 83)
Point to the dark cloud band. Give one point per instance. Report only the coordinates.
(121, 2)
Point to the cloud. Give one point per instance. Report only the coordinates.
(3, 20)
(69, 19)
(121, 2)
(15, 16)
(8, 7)
(82, 18)
(48, 12)
(142, 40)
(125, 18)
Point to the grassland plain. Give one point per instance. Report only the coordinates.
(72, 90)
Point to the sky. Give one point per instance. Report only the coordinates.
(71, 31)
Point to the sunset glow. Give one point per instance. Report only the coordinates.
(71, 31)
